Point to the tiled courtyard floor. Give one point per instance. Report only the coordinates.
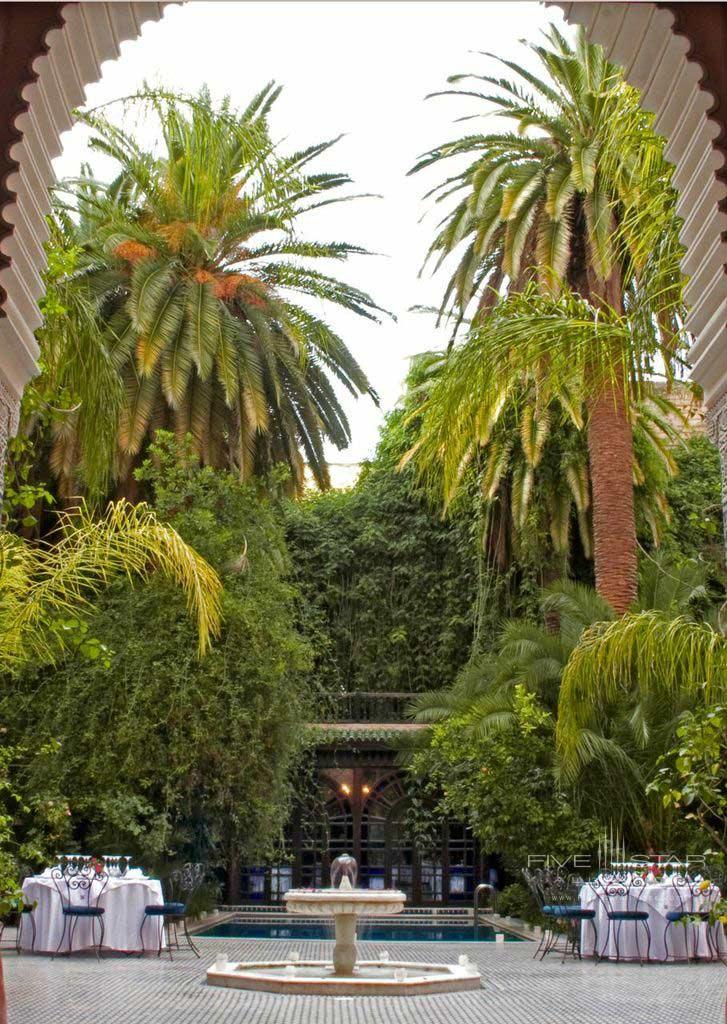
(515, 990)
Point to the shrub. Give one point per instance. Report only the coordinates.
(516, 901)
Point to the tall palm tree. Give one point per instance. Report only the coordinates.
(533, 458)
(578, 200)
(204, 292)
(45, 588)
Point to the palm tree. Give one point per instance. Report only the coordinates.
(205, 294)
(531, 462)
(610, 735)
(577, 200)
(652, 660)
(47, 589)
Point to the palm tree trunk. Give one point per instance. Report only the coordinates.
(610, 450)
(611, 457)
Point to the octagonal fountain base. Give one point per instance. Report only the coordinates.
(370, 977)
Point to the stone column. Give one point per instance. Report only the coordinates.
(9, 413)
(717, 427)
(344, 952)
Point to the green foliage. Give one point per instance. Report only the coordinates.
(23, 498)
(205, 302)
(72, 407)
(610, 739)
(693, 774)
(503, 786)
(387, 587)
(695, 502)
(34, 822)
(165, 755)
(516, 900)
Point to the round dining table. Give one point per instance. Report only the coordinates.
(657, 898)
(123, 899)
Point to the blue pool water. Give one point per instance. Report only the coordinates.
(366, 932)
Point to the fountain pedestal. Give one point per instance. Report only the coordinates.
(344, 951)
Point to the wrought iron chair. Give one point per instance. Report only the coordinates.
(695, 902)
(683, 888)
(27, 911)
(558, 898)
(80, 885)
(621, 896)
(181, 886)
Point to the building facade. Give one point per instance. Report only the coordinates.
(357, 800)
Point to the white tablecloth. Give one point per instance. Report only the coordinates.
(657, 899)
(123, 899)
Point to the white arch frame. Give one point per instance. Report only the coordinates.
(638, 36)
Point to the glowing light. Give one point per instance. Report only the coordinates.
(345, 788)
(366, 790)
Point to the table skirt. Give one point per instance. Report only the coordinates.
(632, 937)
(124, 902)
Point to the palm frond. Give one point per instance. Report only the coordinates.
(41, 586)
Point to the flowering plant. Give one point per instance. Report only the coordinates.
(97, 865)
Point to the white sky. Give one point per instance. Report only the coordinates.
(359, 68)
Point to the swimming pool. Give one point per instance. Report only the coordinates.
(366, 932)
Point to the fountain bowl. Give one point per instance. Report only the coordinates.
(344, 900)
(369, 978)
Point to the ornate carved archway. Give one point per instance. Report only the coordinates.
(674, 52)
(49, 53)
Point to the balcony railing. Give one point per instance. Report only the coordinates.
(361, 706)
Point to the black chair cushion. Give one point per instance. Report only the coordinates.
(567, 910)
(84, 911)
(628, 915)
(166, 909)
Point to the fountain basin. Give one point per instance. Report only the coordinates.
(369, 977)
(358, 902)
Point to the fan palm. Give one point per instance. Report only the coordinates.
(44, 588)
(206, 297)
(578, 199)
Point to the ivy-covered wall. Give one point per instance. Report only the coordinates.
(388, 589)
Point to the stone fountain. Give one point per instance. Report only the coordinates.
(344, 975)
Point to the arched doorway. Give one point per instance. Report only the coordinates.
(366, 812)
